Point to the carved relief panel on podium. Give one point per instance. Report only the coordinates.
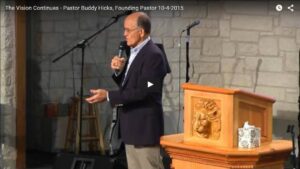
(212, 116)
(206, 118)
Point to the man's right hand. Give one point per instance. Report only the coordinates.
(118, 63)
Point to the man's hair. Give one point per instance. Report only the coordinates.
(144, 22)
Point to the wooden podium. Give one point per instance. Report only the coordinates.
(212, 117)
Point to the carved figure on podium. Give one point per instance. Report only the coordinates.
(207, 119)
(201, 125)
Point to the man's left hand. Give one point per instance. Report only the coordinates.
(98, 95)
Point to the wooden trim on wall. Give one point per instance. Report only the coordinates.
(20, 27)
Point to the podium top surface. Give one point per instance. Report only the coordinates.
(177, 141)
(197, 87)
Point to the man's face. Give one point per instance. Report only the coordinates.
(132, 33)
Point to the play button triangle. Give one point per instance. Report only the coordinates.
(149, 84)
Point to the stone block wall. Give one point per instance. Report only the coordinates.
(7, 90)
(238, 44)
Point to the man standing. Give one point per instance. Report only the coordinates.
(140, 81)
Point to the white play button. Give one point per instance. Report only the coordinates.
(149, 84)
